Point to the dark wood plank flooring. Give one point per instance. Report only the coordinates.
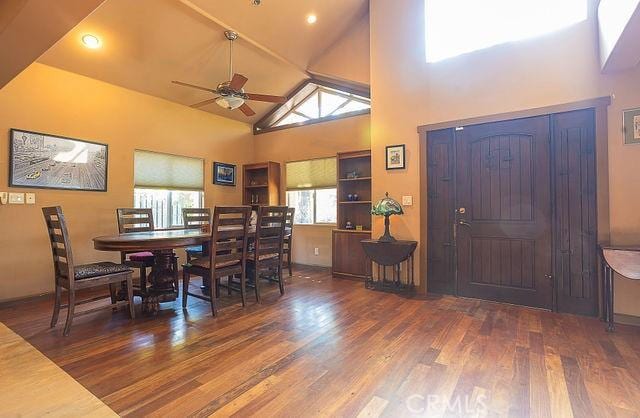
(331, 348)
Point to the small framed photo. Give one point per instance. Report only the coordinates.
(395, 157)
(631, 126)
(224, 174)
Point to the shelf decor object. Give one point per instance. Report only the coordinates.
(386, 207)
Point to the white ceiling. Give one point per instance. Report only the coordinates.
(148, 43)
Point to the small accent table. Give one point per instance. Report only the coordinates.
(390, 254)
(624, 260)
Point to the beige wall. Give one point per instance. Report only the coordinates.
(307, 142)
(54, 101)
(553, 69)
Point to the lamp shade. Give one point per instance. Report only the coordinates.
(387, 206)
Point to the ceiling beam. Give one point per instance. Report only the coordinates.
(244, 37)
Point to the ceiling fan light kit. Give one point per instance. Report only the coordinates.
(230, 93)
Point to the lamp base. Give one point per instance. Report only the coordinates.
(386, 237)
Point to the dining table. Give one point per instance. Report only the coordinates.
(162, 244)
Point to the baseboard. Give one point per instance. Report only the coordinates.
(626, 319)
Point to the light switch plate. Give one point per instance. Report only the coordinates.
(4, 198)
(407, 200)
(16, 198)
(30, 198)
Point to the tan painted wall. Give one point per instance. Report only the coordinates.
(54, 101)
(549, 70)
(349, 57)
(312, 141)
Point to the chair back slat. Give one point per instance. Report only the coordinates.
(134, 220)
(195, 218)
(229, 237)
(270, 231)
(59, 240)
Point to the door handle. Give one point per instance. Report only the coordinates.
(464, 223)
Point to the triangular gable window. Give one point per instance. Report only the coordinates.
(315, 101)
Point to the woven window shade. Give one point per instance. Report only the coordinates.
(311, 174)
(153, 170)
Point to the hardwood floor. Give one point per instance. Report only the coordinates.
(331, 348)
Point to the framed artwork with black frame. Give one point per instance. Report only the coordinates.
(631, 126)
(395, 157)
(45, 161)
(224, 174)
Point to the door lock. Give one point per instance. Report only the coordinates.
(463, 222)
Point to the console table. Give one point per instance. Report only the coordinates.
(624, 260)
(390, 254)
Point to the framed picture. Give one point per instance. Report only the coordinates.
(46, 161)
(224, 174)
(395, 157)
(631, 126)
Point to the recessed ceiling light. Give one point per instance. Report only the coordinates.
(311, 19)
(91, 41)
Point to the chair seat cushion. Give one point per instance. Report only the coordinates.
(263, 257)
(144, 256)
(86, 271)
(195, 249)
(205, 263)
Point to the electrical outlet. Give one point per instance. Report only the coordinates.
(316, 251)
(407, 200)
(16, 198)
(30, 198)
(4, 197)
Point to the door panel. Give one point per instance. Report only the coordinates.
(575, 211)
(440, 208)
(503, 234)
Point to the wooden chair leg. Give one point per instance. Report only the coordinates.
(70, 312)
(113, 294)
(143, 280)
(243, 288)
(213, 295)
(176, 278)
(229, 280)
(132, 310)
(56, 306)
(185, 287)
(280, 279)
(257, 284)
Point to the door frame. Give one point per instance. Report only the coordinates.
(599, 104)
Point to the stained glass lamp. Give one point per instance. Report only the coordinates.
(386, 207)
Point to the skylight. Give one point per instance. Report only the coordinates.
(315, 101)
(455, 27)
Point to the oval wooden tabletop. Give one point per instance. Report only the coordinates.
(624, 262)
(154, 240)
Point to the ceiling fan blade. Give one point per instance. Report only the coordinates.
(246, 110)
(205, 102)
(238, 81)
(194, 86)
(266, 98)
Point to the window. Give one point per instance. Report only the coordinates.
(167, 184)
(315, 101)
(455, 27)
(311, 190)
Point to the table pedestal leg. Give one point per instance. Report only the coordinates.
(162, 287)
(608, 282)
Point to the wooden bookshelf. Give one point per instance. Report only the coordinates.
(354, 177)
(261, 184)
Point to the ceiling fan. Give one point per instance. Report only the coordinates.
(230, 93)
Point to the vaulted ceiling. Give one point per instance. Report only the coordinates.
(148, 43)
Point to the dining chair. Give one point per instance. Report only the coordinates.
(268, 247)
(227, 255)
(196, 218)
(288, 238)
(76, 277)
(132, 220)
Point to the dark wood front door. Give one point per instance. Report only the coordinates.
(503, 220)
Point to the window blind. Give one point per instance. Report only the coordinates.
(311, 174)
(154, 170)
